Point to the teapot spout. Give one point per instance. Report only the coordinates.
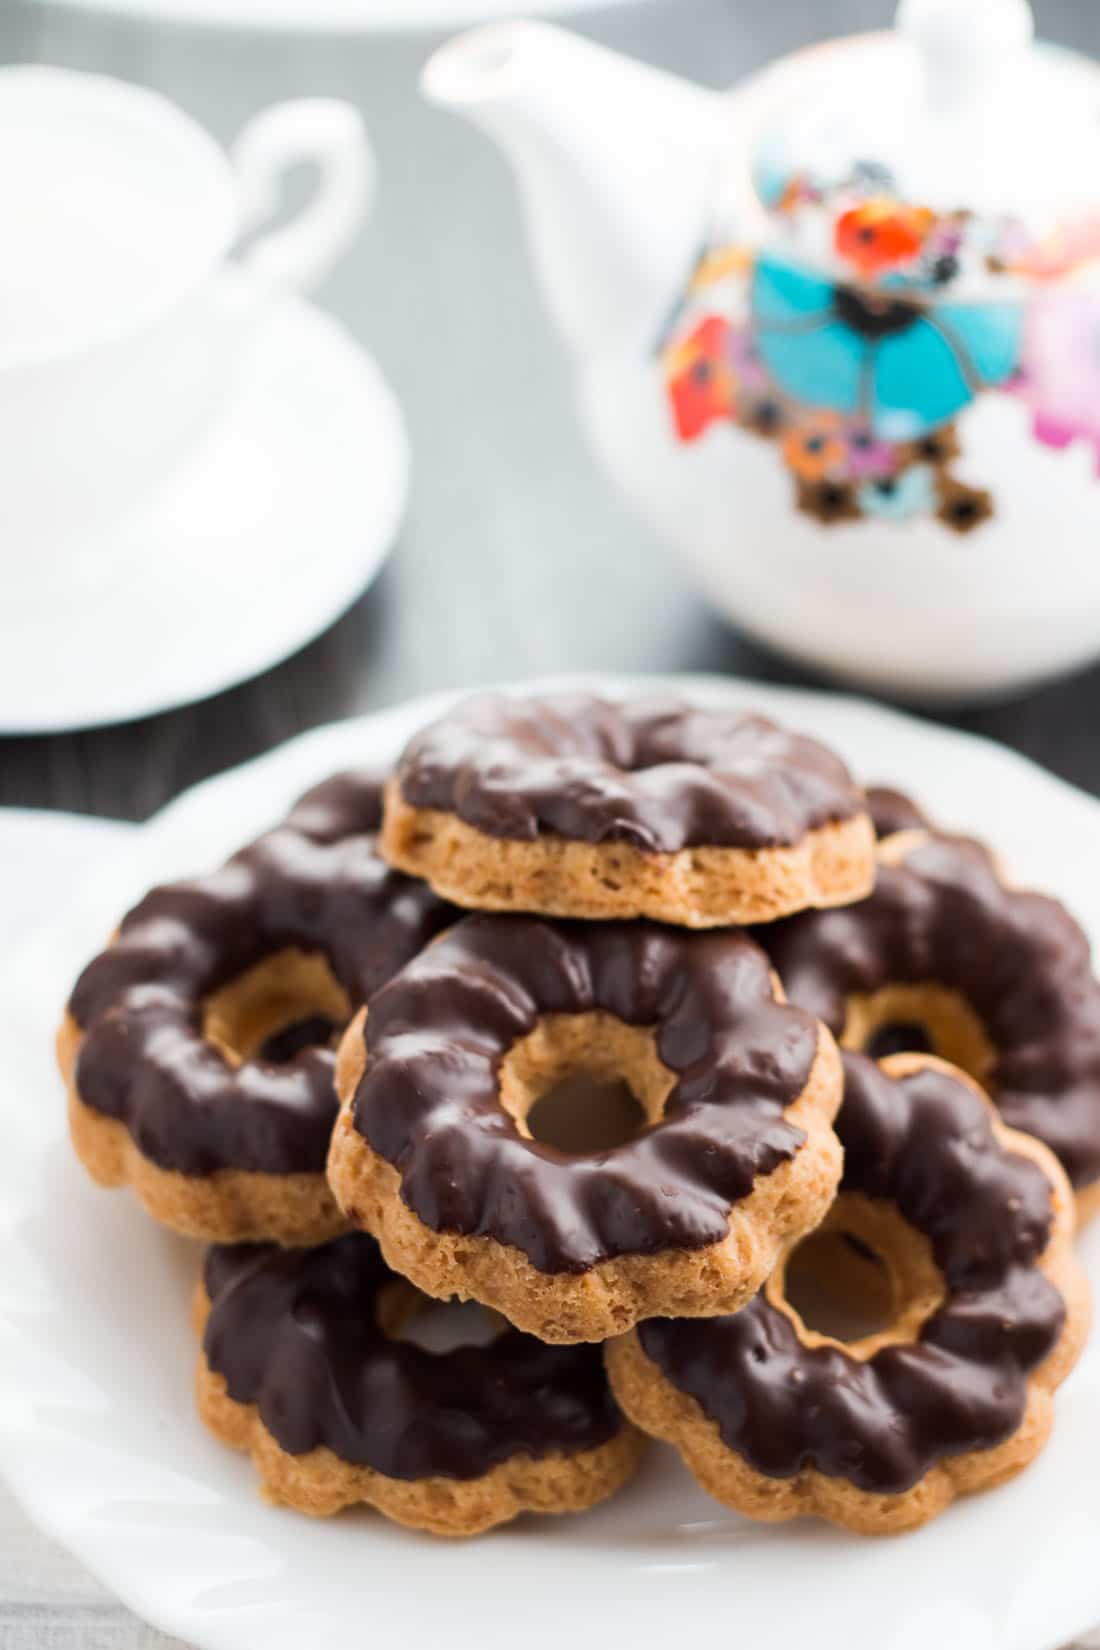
(614, 161)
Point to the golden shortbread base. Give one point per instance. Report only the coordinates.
(702, 887)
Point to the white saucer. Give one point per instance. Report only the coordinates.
(255, 545)
(99, 1440)
(346, 16)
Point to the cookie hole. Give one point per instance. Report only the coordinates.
(275, 1010)
(840, 1287)
(404, 1313)
(580, 1114)
(584, 1083)
(314, 1031)
(899, 1037)
(865, 1279)
(919, 1019)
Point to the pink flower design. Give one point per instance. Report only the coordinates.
(1059, 376)
(748, 368)
(869, 459)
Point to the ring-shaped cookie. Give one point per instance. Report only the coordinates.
(197, 1047)
(432, 1152)
(574, 806)
(972, 1224)
(297, 1368)
(945, 957)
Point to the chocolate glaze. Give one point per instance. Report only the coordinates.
(1019, 959)
(295, 1332)
(657, 774)
(315, 883)
(893, 811)
(925, 1144)
(428, 1102)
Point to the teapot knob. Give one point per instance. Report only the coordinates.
(965, 42)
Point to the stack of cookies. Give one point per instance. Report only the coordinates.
(755, 1112)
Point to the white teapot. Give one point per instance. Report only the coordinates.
(838, 333)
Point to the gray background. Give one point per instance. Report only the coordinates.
(516, 556)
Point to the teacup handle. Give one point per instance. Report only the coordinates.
(332, 135)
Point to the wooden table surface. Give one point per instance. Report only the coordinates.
(515, 557)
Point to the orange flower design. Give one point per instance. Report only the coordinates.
(882, 233)
(815, 449)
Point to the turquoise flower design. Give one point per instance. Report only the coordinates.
(900, 498)
(902, 365)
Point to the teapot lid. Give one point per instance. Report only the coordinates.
(952, 149)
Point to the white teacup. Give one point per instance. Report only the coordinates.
(118, 339)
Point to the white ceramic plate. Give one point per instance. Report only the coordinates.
(43, 857)
(98, 1438)
(255, 545)
(340, 16)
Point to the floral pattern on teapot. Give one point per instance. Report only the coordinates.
(855, 343)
